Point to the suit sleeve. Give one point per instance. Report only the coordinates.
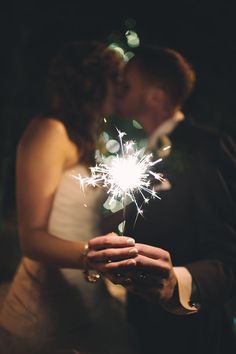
(214, 272)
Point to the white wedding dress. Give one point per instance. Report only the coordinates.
(51, 305)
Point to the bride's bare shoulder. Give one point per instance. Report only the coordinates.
(41, 130)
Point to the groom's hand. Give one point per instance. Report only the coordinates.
(153, 277)
(144, 270)
(111, 252)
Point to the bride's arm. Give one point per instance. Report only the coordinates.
(42, 156)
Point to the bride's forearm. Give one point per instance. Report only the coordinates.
(44, 247)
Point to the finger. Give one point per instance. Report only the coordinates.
(144, 280)
(152, 252)
(113, 267)
(121, 275)
(111, 240)
(137, 279)
(119, 278)
(142, 285)
(154, 267)
(120, 266)
(112, 254)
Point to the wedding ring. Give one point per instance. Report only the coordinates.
(109, 260)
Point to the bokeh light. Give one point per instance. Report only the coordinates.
(132, 39)
(136, 124)
(128, 56)
(117, 48)
(113, 146)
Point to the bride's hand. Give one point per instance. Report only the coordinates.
(111, 252)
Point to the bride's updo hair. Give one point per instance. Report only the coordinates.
(77, 87)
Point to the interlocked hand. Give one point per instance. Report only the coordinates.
(152, 278)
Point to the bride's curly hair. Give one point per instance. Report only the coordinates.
(77, 87)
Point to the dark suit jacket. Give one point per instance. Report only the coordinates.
(195, 221)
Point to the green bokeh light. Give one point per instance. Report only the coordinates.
(136, 124)
(132, 39)
(117, 48)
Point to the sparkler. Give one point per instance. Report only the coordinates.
(126, 176)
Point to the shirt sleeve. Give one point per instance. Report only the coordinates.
(180, 303)
(185, 288)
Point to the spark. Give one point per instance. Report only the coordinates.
(126, 176)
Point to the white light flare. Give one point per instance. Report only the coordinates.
(126, 176)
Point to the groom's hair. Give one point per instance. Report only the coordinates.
(167, 69)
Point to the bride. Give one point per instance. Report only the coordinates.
(52, 304)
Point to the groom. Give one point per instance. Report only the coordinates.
(185, 270)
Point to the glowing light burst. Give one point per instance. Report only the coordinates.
(126, 175)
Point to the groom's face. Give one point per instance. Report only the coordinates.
(132, 102)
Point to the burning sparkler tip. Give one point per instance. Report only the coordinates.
(125, 175)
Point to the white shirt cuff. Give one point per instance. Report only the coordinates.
(185, 288)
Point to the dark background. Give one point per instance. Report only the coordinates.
(31, 32)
